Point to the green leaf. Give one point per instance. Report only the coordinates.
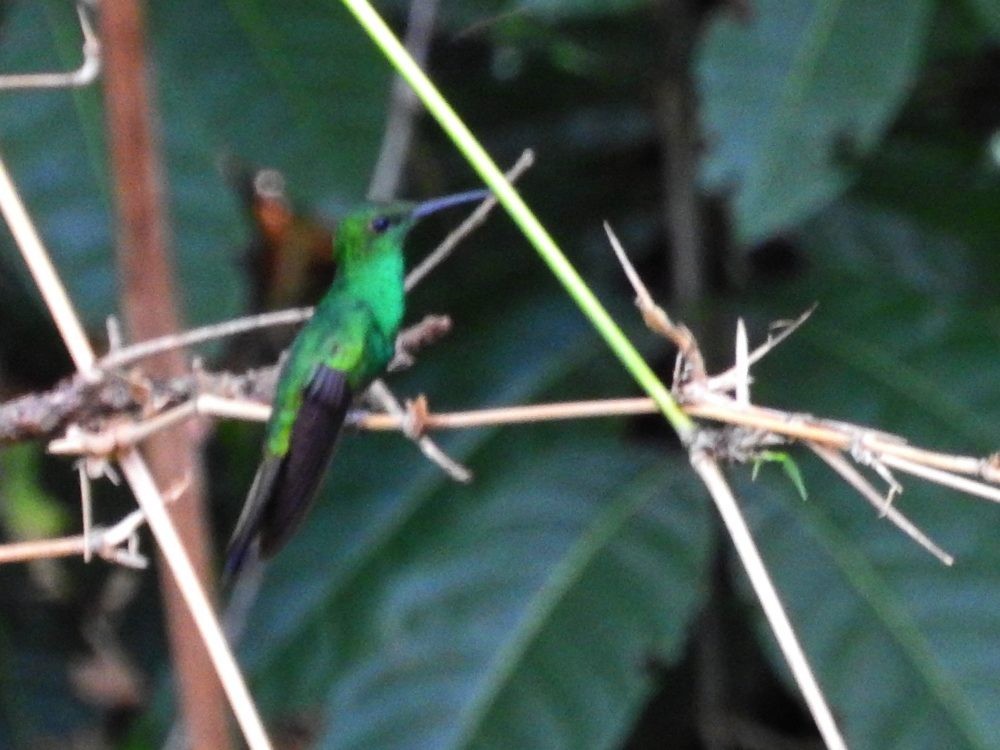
(246, 77)
(791, 92)
(988, 13)
(903, 340)
(546, 597)
(788, 465)
(948, 185)
(28, 511)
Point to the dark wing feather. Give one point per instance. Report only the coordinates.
(245, 535)
(313, 440)
(285, 486)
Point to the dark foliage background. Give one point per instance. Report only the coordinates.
(578, 593)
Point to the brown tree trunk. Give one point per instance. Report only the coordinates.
(149, 309)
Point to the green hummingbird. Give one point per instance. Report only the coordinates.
(347, 343)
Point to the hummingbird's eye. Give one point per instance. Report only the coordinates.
(380, 223)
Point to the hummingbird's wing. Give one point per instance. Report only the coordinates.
(314, 439)
(285, 485)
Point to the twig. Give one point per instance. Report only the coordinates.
(108, 543)
(844, 436)
(86, 507)
(741, 366)
(767, 594)
(511, 414)
(411, 340)
(37, 259)
(120, 436)
(727, 380)
(216, 398)
(477, 217)
(403, 105)
(86, 74)
(968, 486)
(129, 354)
(656, 318)
(228, 408)
(383, 396)
(853, 477)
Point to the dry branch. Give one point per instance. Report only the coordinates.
(116, 544)
(86, 74)
(116, 400)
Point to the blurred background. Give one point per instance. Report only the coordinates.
(755, 157)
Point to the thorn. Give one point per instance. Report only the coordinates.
(115, 338)
(742, 365)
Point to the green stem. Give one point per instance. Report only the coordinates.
(466, 142)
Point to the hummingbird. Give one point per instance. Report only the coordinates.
(347, 343)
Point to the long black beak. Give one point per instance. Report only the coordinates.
(447, 201)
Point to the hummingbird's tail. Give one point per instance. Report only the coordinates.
(237, 556)
(244, 542)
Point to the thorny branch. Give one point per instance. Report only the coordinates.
(751, 429)
(121, 408)
(117, 544)
(111, 408)
(705, 450)
(124, 406)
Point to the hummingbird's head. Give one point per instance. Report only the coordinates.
(372, 230)
(375, 229)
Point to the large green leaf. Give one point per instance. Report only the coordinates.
(950, 187)
(544, 597)
(793, 92)
(37, 698)
(47, 153)
(903, 341)
(988, 12)
(245, 73)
